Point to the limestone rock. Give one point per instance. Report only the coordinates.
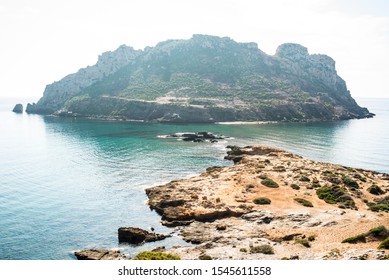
(261, 217)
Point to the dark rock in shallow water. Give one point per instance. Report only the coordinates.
(198, 136)
(18, 108)
(136, 235)
(100, 254)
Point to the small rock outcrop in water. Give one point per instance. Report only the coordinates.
(197, 136)
(18, 108)
(100, 254)
(136, 235)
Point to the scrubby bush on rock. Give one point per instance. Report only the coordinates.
(148, 255)
(262, 200)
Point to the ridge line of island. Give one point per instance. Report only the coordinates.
(204, 79)
(271, 204)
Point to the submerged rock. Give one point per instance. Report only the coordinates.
(18, 108)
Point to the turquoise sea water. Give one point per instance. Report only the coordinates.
(70, 184)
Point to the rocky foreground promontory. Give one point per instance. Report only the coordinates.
(272, 204)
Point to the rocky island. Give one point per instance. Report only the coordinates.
(273, 204)
(204, 79)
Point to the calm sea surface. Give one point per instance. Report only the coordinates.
(70, 184)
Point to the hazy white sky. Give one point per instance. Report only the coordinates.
(44, 40)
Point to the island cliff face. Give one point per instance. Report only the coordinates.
(204, 79)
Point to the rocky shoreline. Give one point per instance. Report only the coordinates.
(272, 204)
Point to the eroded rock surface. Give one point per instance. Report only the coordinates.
(216, 212)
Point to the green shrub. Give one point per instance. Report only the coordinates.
(335, 195)
(350, 182)
(269, 183)
(376, 190)
(148, 255)
(359, 177)
(379, 232)
(262, 200)
(303, 242)
(243, 250)
(378, 207)
(360, 238)
(279, 168)
(295, 186)
(304, 179)
(205, 257)
(263, 249)
(315, 185)
(384, 244)
(303, 202)
(311, 238)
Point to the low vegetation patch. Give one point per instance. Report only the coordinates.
(311, 238)
(381, 204)
(379, 232)
(205, 257)
(384, 244)
(376, 190)
(350, 182)
(359, 177)
(148, 255)
(378, 207)
(279, 168)
(303, 242)
(315, 185)
(360, 238)
(269, 183)
(262, 200)
(295, 186)
(262, 249)
(304, 179)
(303, 202)
(335, 195)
